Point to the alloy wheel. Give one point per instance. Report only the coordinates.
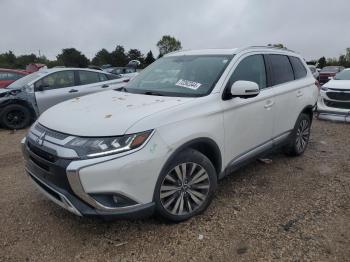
(302, 136)
(184, 189)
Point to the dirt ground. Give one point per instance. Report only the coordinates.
(294, 209)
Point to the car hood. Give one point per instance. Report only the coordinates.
(107, 113)
(339, 84)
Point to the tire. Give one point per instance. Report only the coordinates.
(15, 116)
(179, 199)
(300, 136)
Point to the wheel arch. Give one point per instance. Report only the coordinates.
(22, 103)
(204, 145)
(308, 110)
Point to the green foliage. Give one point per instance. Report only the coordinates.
(135, 54)
(8, 60)
(168, 44)
(322, 62)
(119, 58)
(149, 58)
(102, 57)
(70, 57)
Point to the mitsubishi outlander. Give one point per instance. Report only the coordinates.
(161, 143)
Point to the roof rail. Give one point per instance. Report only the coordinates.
(270, 47)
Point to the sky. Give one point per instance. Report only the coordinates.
(312, 28)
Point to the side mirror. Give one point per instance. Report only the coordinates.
(41, 88)
(244, 89)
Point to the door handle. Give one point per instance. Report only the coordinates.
(269, 104)
(299, 93)
(104, 86)
(73, 91)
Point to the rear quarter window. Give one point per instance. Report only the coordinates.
(281, 68)
(298, 67)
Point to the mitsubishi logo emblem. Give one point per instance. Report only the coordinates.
(40, 139)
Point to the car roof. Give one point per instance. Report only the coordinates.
(59, 69)
(21, 71)
(233, 51)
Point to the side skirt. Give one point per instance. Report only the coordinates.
(256, 153)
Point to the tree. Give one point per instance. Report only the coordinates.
(135, 54)
(168, 44)
(149, 58)
(8, 59)
(119, 58)
(342, 61)
(322, 62)
(23, 60)
(102, 57)
(278, 45)
(71, 57)
(347, 54)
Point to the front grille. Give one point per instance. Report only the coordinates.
(341, 105)
(41, 153)
(51, 133)
(339, 96)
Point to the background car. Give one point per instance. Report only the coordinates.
(328, 72)
(8, 76)
(33, 67)
(334, 99)
(130, 72)
(314, 71)
(27, 98)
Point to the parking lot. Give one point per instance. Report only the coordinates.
(293, 209)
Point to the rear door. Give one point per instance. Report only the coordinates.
(55, 88)
(288, 87)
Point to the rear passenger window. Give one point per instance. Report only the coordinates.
(112, 77)
(281, 68)
(87, 77)
(251, 68)
(298, 67)
(103, 77)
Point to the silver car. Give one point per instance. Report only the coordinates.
(28, 97)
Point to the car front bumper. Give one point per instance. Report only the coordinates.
(73, 183)
(331, 113)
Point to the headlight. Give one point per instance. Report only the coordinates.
(102, 146)
(324, 88)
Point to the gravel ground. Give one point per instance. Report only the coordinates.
(294, 209)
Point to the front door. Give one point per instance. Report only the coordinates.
(55, 88)
(248, 122)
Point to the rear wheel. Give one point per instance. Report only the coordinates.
(15, 116)
(300, 136)
(186, 187)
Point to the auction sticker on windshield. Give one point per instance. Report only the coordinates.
(188, 84)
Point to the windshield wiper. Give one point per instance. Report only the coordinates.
(152, 93)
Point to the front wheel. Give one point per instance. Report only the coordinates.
(300, 136)
(186, 186)
(15, 116)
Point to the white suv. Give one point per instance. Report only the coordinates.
(161, 143)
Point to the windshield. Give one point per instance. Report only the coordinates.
(330, 69)
(180, 76)
(24, 80)
(343, 75)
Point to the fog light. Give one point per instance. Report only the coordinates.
(113, 200)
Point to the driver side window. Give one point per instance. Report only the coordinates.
(251, 68)
(56, 80)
